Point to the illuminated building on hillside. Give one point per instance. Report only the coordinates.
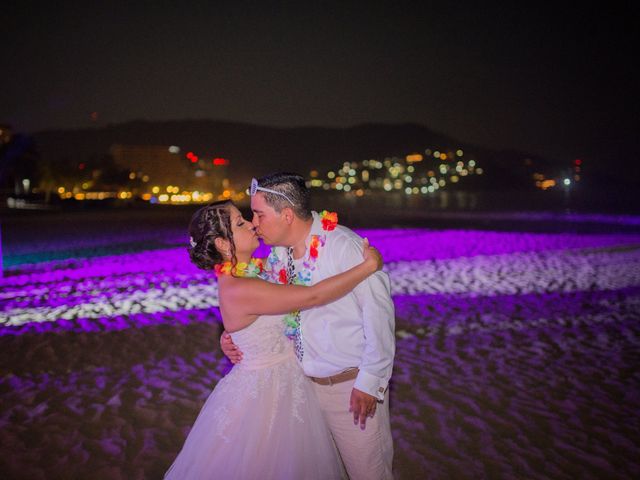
(5, 134)
(165, 165)
(170, 175)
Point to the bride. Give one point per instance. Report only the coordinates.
(262, 419)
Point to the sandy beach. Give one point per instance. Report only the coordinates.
(517, 347)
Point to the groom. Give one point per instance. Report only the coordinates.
(345, 348)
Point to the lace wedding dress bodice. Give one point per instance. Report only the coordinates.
(262, 343)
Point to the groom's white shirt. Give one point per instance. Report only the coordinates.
(357, 330)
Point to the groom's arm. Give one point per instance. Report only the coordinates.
(374, 296)
(378, 320)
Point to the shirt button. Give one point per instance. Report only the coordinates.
(381, 389)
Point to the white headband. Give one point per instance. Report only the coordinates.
(255, 187)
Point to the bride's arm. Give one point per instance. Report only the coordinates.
(252, 296)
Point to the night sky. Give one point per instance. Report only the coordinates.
(560, 82)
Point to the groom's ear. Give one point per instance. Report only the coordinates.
(288, 215)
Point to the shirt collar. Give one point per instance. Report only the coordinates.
(316, 226)
(316, 229)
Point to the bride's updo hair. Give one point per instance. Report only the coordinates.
(207, 224)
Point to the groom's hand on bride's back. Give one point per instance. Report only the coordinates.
(229, 348)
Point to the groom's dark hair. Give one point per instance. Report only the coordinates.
(293, 186)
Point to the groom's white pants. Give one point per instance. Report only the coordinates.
(367, 454)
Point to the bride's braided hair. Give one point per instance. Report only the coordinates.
(207, 224)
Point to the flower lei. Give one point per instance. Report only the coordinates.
(278, 268)
(254, 268)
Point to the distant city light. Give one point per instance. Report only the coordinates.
(395, 173)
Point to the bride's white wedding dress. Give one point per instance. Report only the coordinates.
(262, 420)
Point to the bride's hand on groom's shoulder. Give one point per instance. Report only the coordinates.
(371, 255)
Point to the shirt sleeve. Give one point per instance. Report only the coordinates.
(373, 296)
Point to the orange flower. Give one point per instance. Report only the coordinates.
(329, 220)
(260, 264)
(222, 268)
(313, 248)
